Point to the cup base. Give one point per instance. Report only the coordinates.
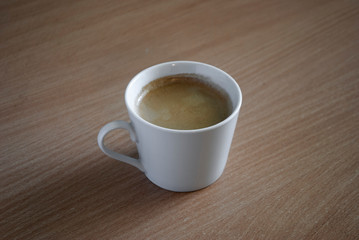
(183, 188)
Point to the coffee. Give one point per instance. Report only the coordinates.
(183, 101)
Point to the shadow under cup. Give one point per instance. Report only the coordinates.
(183, 160)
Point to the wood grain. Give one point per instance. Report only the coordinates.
(293, 169)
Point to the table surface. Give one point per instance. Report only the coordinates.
(293, 167)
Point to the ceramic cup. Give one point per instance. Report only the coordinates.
(177, 160)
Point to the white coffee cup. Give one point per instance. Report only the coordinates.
(177, 160)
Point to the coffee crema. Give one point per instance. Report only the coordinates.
(183, 102)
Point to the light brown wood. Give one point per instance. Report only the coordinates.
(293, 169)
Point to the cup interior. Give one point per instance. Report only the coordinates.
(210, 74)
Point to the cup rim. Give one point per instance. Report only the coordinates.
(217, 125)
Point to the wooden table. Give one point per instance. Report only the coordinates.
(293, 168)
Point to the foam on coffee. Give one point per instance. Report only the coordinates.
(183, 101)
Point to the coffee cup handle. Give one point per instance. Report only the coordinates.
(118, 156)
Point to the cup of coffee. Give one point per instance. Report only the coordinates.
(183, 116)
